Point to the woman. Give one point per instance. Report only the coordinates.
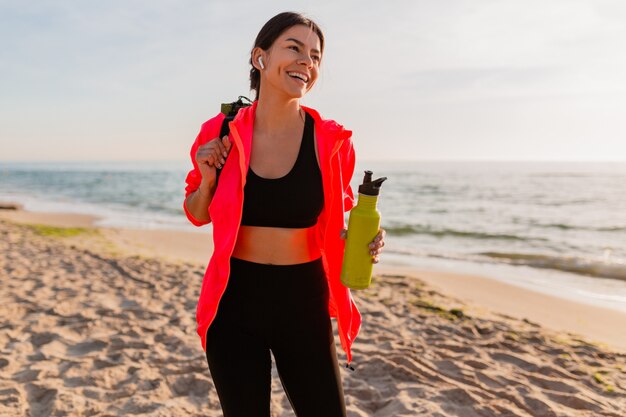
(278, 216)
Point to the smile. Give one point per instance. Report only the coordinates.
(299, 76)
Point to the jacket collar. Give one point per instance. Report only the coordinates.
(329, 136)
(328, 132)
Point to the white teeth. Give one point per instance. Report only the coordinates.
(298, 75)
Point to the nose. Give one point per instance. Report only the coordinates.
(306, 60)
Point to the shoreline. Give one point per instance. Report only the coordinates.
(480, 295)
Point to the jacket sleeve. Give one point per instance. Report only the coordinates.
(347, 171)
(194, 177)
(208, 131)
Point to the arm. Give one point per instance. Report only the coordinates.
(202, 179)
(197, 203)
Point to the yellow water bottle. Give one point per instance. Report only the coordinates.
(363, 225)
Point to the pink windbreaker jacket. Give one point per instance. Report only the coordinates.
(336, 155)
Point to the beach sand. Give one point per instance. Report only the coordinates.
(101, 321)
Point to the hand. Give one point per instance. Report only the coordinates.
(376, 247)
(212, 155)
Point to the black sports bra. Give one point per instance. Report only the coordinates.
(292, 201)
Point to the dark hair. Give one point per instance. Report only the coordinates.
(271, 31)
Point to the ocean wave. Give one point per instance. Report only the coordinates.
(406, 229)
(544, 175)
(615, 269)
(606, 297)
(562, 226)
(574, 202)
(578, 265)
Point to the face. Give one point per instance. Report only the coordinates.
(294, 55)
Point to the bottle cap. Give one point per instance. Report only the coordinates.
(370, 187)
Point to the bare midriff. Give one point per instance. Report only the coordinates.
(276, 245)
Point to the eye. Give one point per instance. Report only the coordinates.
(293, 46)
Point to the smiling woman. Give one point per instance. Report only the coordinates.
(304, 40)
(277, 214)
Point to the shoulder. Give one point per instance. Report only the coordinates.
(211, 128)
(329, 128)
(325, 122)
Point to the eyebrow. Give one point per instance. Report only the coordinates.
(300, 43)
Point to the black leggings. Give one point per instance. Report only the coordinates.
(282, 308)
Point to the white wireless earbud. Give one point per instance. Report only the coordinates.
(261, 63)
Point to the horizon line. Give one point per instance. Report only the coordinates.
(358, 160)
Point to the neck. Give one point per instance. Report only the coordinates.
(274, 113)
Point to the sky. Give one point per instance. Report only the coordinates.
(540, 80)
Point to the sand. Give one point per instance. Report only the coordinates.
(101, 321)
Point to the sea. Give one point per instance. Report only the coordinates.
(554, 227)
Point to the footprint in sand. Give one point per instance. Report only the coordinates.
(536, 406)
(514, 360)
(186, 384)
(41, 399)
(459, 396)
(27, 375)
(552, 384)
(100, 364)
(11, 402)
(574, 401)
(488, 381)
(84, 348)
(40, 339)
(476, 364)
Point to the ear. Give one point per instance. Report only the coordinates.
(256, 54)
